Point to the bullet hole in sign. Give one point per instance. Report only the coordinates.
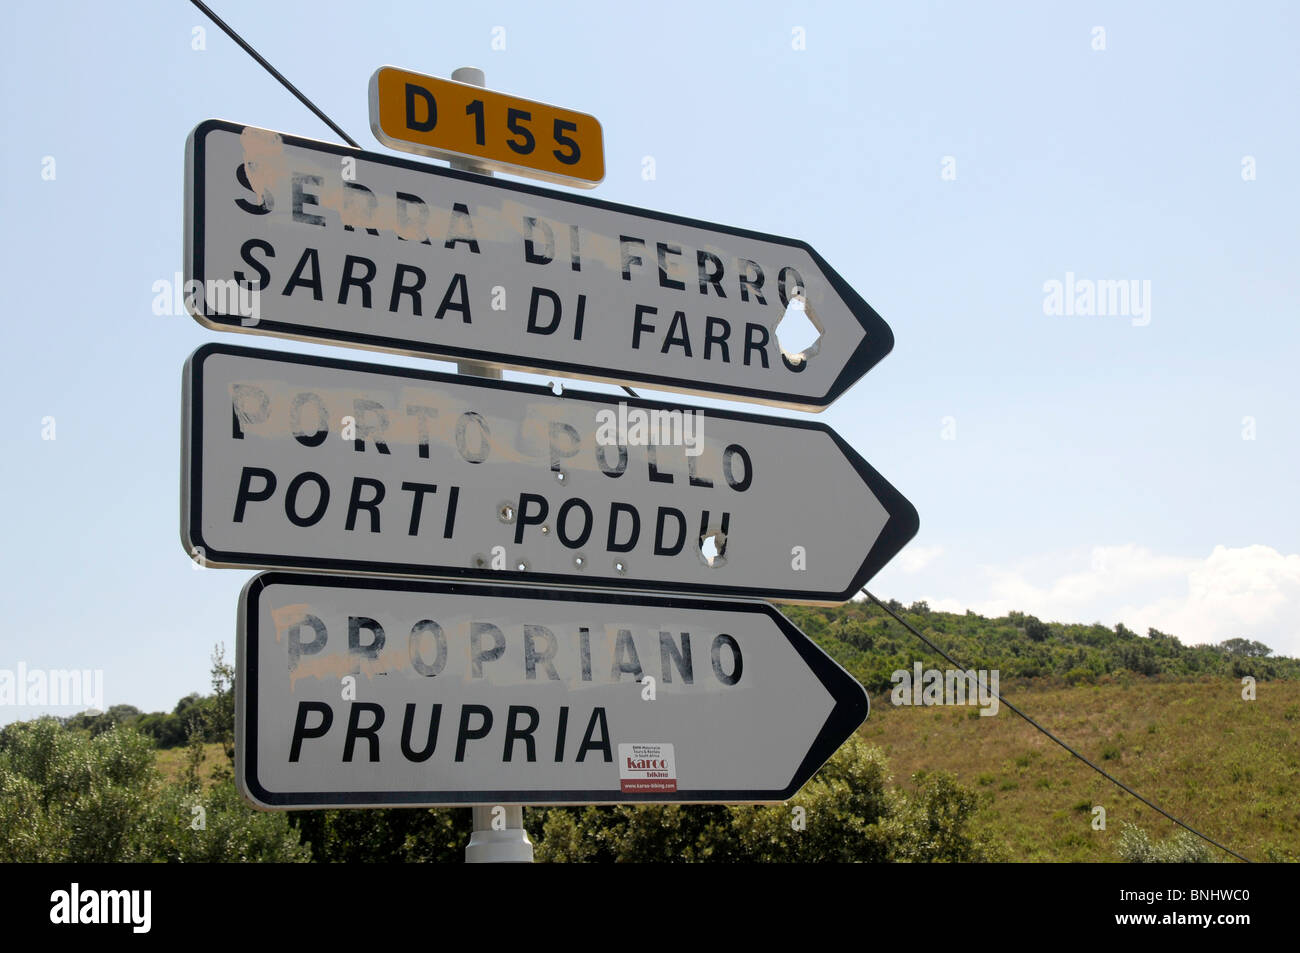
(798, 333)
(713, 548)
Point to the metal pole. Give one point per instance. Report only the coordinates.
(474, 77)
(489, 844)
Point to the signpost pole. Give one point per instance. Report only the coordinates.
(511, 845)
(507, 846)
(474, 77)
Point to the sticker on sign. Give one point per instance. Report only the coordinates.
(389, 692)
(302, 462)
(347, 247)
(646, 767)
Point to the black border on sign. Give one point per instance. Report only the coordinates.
(851, 707)
(900, 527)
(877, 342)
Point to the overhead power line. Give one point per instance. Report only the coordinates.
(229, 31)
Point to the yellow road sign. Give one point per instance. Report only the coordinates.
(450, 120)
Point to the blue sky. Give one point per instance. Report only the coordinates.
(1081, 467)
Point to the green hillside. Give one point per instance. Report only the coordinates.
(871, 645)
(918, 783)
(1228, 767)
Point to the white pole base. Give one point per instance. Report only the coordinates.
(508, 846)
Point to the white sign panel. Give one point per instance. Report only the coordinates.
(310, 240)
(302, 462)
(386, 692)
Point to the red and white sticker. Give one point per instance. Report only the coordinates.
(646, 767)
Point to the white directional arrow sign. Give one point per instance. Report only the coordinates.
(302, 462)
(383, 692)
(304, 239)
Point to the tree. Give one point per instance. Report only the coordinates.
(1036, 629)
(98, 722)
(1245, 648)
(936, 824)
(189, 701)
(1155, 635)
(219, 713)
(66, 795)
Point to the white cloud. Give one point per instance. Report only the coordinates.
(1251, 592)
(915, 558)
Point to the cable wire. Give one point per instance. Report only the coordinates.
(230, 32)
(275, 72)
(1109, 777)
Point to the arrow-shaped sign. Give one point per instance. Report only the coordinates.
(303, 462)
(304, 239)
(383, 693)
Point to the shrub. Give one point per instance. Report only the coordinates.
(1136, 847)
(846, 812)
(68, 795)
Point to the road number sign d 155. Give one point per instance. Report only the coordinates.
(450, 120)
(383, 692)
(295, 461)
(309, 240)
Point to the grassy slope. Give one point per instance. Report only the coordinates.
(1228, 767)
(172, 762)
